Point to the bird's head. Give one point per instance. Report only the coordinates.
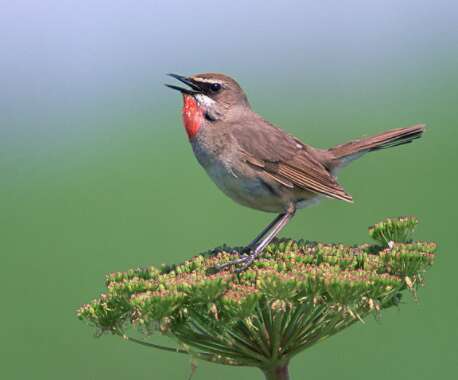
(209, 98)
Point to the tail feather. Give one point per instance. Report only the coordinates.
(344, 153)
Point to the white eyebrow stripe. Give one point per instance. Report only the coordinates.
(205, 80)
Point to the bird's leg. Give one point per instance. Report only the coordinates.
(266, 240)
(262, 240)
(250, 247)
(247, 251)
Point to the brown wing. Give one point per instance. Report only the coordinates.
(285, 158)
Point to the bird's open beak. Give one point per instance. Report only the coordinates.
(194, 88)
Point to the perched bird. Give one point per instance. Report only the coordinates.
(259, 165)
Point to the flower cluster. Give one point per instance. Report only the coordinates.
(296, 294)
(394, 230)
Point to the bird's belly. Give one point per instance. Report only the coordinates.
(248, 186)
(247, 190)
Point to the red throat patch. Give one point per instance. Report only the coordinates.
(192, 115)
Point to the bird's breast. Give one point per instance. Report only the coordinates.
(235, 178)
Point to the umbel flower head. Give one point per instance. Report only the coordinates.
(296, 295)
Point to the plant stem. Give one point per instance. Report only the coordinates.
(279, 372)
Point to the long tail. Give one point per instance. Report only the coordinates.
(345, 153)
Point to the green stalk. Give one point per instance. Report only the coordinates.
(279, 372)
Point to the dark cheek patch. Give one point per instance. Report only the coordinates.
(192, 115)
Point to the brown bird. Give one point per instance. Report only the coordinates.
(259, 165)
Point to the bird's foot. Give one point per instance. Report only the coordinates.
(246, 259)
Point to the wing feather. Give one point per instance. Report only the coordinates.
(286, 159)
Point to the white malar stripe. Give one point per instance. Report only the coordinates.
(204, 100)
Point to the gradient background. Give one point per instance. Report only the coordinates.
(97, 174)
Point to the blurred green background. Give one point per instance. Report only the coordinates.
(97, 174)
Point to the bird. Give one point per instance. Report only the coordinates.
(259, 165)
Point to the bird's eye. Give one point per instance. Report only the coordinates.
(215, 87)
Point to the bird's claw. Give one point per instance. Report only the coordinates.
(247, 262)
(245, 259)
